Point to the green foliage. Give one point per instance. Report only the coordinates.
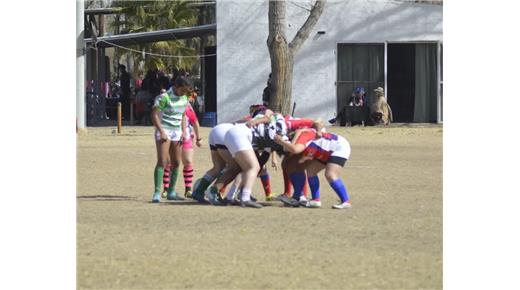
(146, 16)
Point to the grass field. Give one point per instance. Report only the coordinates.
(390, 239)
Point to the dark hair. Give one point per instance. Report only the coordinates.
(121, 66)
(256, 109)
(182, 81)
(164, 82)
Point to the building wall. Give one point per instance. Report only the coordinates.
(243, 62)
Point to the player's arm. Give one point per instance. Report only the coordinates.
(156, 120)
(158, 106)
(263, 120)
(196, 128)
(183, 126)
(318, 125)
(288, 146)
(194, 121)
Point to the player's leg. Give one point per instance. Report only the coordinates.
(231, 171)
(313, 168)
(289, 164)
(215, 140)
(166, 177)
(187, 161)
(332, 173)
(286, 180)
(203, 183)
(248, 162)
(233, 190)
(162, 148)
(264, 175)
(294, 176)
(175, 159)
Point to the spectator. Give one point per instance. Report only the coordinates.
(145, 97)
(381, 113)
(139, 81)
(358, 114)
(358, 97)
(268, 92)
(164, 82)
(124, 80)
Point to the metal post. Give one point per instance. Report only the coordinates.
(119, 117)
(80, 65)
(439, 107)
(386, 70)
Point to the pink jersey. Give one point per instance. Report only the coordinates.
(191, 118)
(190, 114)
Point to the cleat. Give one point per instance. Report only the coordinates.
(303, 201)
(214, 197)
(278, 197)
(219, 201)
(156, 197)
(173, 196)
(188, 194)
(250, 203)
(211, 194)
(344, 205)
(314, 204)
(233, 202)
(195, 194)
(199, 198)
(289, 201)
(270, 197)
(222, 201)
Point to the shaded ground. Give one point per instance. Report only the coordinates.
(391, 238)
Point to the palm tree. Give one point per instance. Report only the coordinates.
(144, 16)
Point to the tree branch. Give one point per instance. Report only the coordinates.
(304, 8)
(307, 27)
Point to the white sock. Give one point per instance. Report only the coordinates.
(246, 194)
(231, 192)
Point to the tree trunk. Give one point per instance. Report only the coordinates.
(281, 60)
(282, 53)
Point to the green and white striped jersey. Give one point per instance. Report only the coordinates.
(172, 108)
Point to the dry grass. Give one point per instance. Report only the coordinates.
(391, 238)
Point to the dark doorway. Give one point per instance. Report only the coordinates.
(210, 75)
(401, 81)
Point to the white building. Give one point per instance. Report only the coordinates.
(393, 44)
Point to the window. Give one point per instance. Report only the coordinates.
(359, 65)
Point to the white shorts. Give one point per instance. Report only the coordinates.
(342, 149)
(238, 138)
(216, 135)
(173, 134)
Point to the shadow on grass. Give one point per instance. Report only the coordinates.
(182, 203)
(106, 197)
(191, 203)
